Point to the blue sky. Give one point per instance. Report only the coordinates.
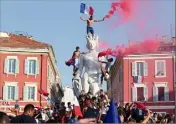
(58, 23)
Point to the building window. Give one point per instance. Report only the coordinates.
(11, 66)
(139, 92)
(160, 69)
(11, 92)
(160, 92)
(139, 68)
(32, 67)
(31, 93)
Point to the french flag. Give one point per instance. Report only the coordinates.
(139, 79)
(86, 9)
(42, 92)
(76, 108)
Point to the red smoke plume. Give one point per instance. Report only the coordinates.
(123, 7)
(145, 47)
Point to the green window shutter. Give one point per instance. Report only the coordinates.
(25, 93)
(5, 93)
(155, 94)
(17, 67)
(166, 94)
(35, 94)
(6, 65)
(26, 68)
(37, 67)
(134, 73)
(146, 93)
(145, 69)
(134, 94)
(16, 93)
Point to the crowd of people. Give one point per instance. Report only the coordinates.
(94, 108)
(131, 113)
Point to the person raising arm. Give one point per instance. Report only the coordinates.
(90, 22)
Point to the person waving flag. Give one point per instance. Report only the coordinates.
(86, 9)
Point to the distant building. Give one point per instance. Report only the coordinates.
(27, 66)
(148, 78)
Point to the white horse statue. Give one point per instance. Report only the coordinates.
(87, 76)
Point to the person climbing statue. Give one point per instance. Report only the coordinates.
(105, 70)
(90, 22)
(75, 57)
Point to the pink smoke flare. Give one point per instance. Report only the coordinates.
(145, 47)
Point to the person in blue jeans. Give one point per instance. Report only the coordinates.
(90, 22)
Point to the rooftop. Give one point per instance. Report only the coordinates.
(20, 41)
(152, 47)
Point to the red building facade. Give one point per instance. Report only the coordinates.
(26, 66)
(146, 78)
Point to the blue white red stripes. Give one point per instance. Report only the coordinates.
(86, 9)
(138, 79)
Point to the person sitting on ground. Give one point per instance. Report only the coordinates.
(105, 70)
(4, 119)
(27, 116)
(90, 22)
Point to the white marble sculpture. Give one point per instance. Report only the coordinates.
(89, 69)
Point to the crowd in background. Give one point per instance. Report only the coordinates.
(91, 107)
(130, 113)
